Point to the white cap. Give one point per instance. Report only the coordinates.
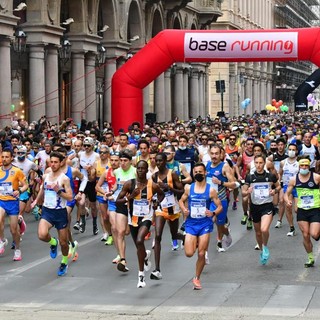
(88, 140)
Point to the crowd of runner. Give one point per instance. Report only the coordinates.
(186, 173)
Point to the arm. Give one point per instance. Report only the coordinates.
(183, 199)
(39, 196)
(178, 186)
(229, 173)
(215, 199)
(291, 185)
(67, 193)
(187, 177)
(157, 190)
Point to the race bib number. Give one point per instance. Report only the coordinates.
(50, 198)
(212, 185)
(6, 188)
(198, 209)
(169, 200)
(307, 202)
(261, 191)
(141, 208)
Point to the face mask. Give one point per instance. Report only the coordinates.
(271, 138)
(199, 177)
(273, 149)
(182, 148)
(21, 158)
(304, 171)
(136, 136)
(289, 133)
(291, 154)
(277, 136)
(217, 132)
(68, 148)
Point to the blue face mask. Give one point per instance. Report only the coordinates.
(21, 158)
(136, 136)
(304, 172)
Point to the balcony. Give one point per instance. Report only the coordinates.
(175, 5)
(208, 11)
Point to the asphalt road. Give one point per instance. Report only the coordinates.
(235, 285)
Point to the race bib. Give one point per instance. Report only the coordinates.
(141, 208)
(261, 191)
(50, 198)
(6, 188)
(105, 187)
(198, 209)
(307, 202)
(169, 200)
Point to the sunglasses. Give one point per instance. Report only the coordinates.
(87, 145)
(114, 153)
(104, 152)
(21, 153)
(168, 153)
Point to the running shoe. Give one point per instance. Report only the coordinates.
(257, 247)
(76, 256)
(76, 226)
(148, 236)
(219, 247)
(262, 260)
(22, 225)
(74, 250)
(249, 224)
(95, 230)
(309, 263)
(196, 284)
(244, 219)
(54, 250)
(36, 213)
(156, 275)
(109, 241)
(278, 224)
(227, 240)
(206, 256)
(234, 205)
(175, 245)
(63, 269)
(3, 244)
(17, 255)
(265, 253)
(82, 228)
(104, 237)
(141, 281)
(291, 233)
(147, 262)
(116, 259)
(121, 266)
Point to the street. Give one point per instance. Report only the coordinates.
(235, 285)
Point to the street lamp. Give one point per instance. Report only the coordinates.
(20, 41)
(65, 50)
(101, 55)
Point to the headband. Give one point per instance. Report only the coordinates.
(304, 162)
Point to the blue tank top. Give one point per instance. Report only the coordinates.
(69, 175)
(217, 172)
(198, 200)
(175, 167)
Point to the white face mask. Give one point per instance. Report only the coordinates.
(291, 153)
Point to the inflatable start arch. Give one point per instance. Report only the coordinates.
(171, 46)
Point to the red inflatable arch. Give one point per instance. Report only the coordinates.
(171, 46)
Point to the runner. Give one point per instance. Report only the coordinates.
(307, 185)
(10, 180)
(56, 191)
(138, 193)
(199, 218)
(259, 187)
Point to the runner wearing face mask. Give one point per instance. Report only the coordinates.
(307, 185)
(288, 169)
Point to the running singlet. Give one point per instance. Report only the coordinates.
(246, 159)
(9, 182)
(139, 207)
(175, 167)
(217, 172)
(277, 158)
(70, 176)
(233, 153)
(51, 199)
(311, 152)
(308, 193)
(198, 203)
(289, 171)
(261, 184)
(99, 172)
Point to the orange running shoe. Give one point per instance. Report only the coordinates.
(196, 284)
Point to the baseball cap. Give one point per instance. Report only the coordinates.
(22, 149)
(88, 140)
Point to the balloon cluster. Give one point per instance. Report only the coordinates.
(245, 103)
(277, 106)
(311, 99)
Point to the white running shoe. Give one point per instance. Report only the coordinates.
(147, 262)
(207, 258)
(3, 244)
(141, 281)
(291, 233)
(17, 255)
(156, 275)
(220, 248)
(104, 237)
(278, 224)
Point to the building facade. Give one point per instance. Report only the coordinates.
(57, 57)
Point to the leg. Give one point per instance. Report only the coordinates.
(305, 230)
(121, 226)
(14, 229)
(203, 242)
(266, 220)
(257, 229)
(160, 222)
